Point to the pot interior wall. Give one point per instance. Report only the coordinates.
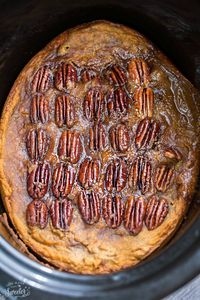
(27, 26)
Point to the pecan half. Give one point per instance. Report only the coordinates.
(119, 137)
(41, 80)
(61, 212)
(94, 104)
(139, 71)
(173, 153)
(37, 214)
(37, 143)
(89, 207)
(97, 137)
(146, 134)
(140, 175)
(38, 181)
(70, 146)
(116, 175)
(65, 76)
(63, 180)
(117, 102)
(113, 211)
(88, 75)
(163, 177)
(156, 212)
(144, 101)
(117, 75)
(89, 172)
(134, 214)
(39, 109)
(64, 111)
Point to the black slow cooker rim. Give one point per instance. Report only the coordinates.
(153, 279)
(172, 268)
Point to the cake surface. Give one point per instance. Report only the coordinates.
(99, 149)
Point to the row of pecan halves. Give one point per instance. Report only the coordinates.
(133, 214)
(95, 106)
(66, 76)
(64, 110)
(116, 103)
(140, 177)
(61, 212)
(70, 146)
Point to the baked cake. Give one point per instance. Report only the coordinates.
(99, 149)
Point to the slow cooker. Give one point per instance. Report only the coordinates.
(173, 26)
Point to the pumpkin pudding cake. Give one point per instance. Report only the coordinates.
(99, 149)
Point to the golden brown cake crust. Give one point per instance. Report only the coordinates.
(97, 249)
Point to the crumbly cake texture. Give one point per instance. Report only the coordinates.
(139, 207)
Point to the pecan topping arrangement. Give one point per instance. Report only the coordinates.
(64, 111)
(140, 175)
(139, 71)
(119, 137)
(42, 80)
(37, 144)
(39, 109)
(116, 175)
(146, 134)
(134, 214)
(61, 212)
(117, 75)
(38, 181)
(89, 172)
(70, 146)
(156, 212)
(108, 133)
(65, 77)
(94, 104)
(89, 206)
(37, 214)
(113, 208)
(97, 137)
(144, 101)
(117, 102)
(63, 180)
(163, 177)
